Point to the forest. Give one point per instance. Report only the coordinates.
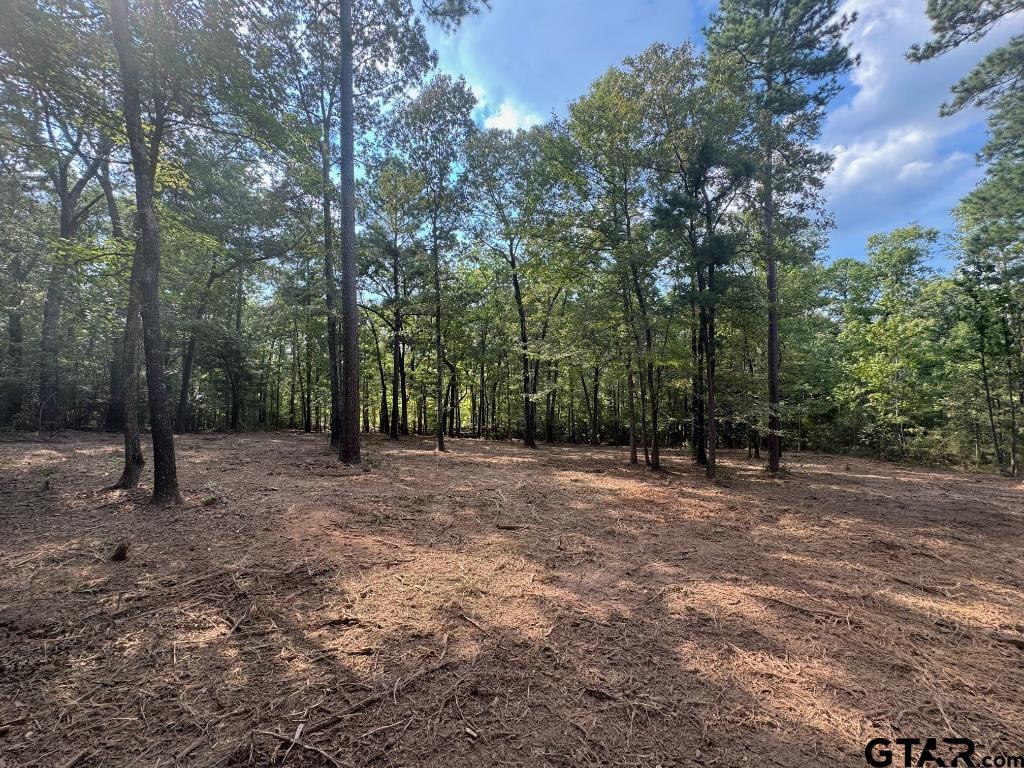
(263, 264)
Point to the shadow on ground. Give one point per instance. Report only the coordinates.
(496, 606)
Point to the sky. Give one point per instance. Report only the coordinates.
(897, 161)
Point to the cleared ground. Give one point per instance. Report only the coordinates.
(496, 606)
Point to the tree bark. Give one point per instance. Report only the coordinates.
(774, 395)
(113, 418)
(697, 337)
(980, 325)
(330, 278)
(129, 396)
(396, 349)
(712, 428)
(529, 407)
(182, 421)
(438, 346)
(385, 419)
(15, 392)
(144, 160)
(350, 440)
(49, 369)
(549, 416)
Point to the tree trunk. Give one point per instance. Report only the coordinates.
(15, 392)
(385, 426)
(183, 420)
(632, 410)
(113, 418)
(697, 336)
(590, 399)
(49, 369)
(292, 423)
(774, 395)
(549, 416)
(350, 440)
(438, 347)
(394, 427)
(129, 396)
(988, 394)
(529, 407)
(481, 419)
(165, 474)
(405, 390)
(307, 415)
(1009, 392)
(709, 353)
(331, 289)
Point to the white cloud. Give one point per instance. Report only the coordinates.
(897, 160)
(480, 94)
(510, 117)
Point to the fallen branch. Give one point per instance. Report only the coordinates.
(308, 747)
(331, 720)
(475, 624)
(817, 612)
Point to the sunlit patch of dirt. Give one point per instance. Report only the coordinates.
(498, 606)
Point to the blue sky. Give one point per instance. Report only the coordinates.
(897, 161)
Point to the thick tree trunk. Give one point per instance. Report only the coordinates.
(350, 440)
(144, 143)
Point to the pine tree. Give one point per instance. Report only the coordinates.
(793, 55)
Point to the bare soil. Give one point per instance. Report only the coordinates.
(498, 606)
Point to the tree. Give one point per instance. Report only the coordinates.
(793, 56)
(448, 13)
(996, 81)
(700, 115)
(603, 156)
(392, 203)
(54, 76)
(510, 190)
(435, 127)
(157, 98)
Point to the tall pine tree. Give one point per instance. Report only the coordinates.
(793, 54)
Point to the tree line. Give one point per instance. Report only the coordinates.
(279, 215)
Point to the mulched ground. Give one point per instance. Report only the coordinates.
(496, 606)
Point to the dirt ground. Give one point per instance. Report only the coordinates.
(496, 606)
